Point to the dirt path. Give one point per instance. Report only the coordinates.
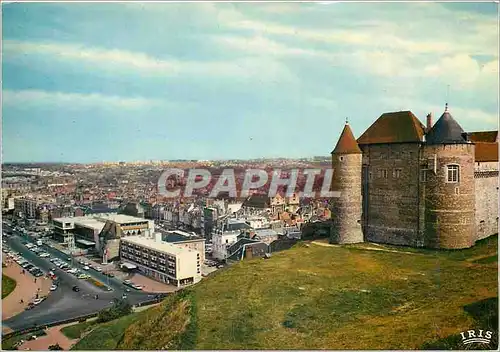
(381, 248)
(26, 289)
(54, 336)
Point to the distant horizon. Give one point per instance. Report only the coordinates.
(97, 82)
(161, 160)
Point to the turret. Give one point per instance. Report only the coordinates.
(449, 186)
(346, 209)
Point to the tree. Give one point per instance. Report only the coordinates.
(55, 347)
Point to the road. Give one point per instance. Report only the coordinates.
(64, 303)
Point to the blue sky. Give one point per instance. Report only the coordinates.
(87, 82)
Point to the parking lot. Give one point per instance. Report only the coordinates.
(28, 292)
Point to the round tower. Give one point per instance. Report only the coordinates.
(449, 184)
(346, 179)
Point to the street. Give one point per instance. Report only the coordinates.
(64, 303)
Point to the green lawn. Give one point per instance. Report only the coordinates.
(9, 344)
(320, 297)
(8, 285)
(106, 336)
(75, 331)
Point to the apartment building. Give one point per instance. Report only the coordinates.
(187, 240)
(161, 261)
(25, 207)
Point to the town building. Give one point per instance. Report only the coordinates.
(221, 241)
(100, 232)
(25, 207)
(405, 183)
(161, 261)
(246, 248)
(185, 239)
(266, 236)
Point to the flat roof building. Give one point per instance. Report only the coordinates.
(162, 261)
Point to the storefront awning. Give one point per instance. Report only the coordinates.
(129, 266)
(85, 242)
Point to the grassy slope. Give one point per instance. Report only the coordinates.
(75, 331)
(8, 285)
(325, 298)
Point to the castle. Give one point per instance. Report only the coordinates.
(404, 183)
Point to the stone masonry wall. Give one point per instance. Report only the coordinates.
(391, 210)
(346, 210)
(449, 207)
(486, 185)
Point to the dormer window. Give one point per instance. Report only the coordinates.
(452, 174)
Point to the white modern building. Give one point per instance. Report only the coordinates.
(221, 241)
(161, 261)
(258, 222)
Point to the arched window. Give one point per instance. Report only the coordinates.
(452, 173)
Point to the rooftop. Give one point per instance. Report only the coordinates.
(394, 127)
(165, 247)
(484, 136)
(120, 218)
(485, 152)
(446, 131)
(347, 143)
(179, 236)
(90, 222)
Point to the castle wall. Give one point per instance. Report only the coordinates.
(486, 185)
(449, 207)
(346, 210)
(391, 204)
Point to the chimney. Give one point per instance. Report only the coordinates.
(158, 237)
(429, 122)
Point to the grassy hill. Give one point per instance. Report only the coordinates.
(316, 296)
(8, 285)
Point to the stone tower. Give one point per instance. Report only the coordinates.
(346, 210)
(449, 186)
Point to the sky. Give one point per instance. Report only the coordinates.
(87, 82)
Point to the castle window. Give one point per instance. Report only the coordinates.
(382, 173)
(341, 158)
(453, 173)
(396, 173)
(423, 175)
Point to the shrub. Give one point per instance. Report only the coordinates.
(120, 308)
(55, 347)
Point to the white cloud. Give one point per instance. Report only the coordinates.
(23, 97)
(468, 117)
(119, 60)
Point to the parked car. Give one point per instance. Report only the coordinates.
(86, 267)
(44, 255)
(76, 288)
(110, 274)
(30, 306)
(97, 268)
(53, 287)
(38, 301)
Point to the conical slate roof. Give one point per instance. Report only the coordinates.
(446, 131)
(347, 143)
